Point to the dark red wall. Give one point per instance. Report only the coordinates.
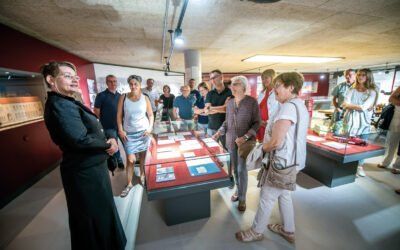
(251, 77)
(22, 52)
(27, 151)
(323, 83)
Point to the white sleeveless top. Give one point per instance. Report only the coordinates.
(135, 118)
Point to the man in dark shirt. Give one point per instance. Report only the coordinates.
(216, 103)
(215, 107)
(193, 91)
(105, 107)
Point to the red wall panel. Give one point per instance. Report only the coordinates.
(27, 151)
(22, 52)
(323, 82)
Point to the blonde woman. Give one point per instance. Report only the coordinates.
(266, 101)
(359, 104)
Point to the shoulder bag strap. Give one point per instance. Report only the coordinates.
(296, 132)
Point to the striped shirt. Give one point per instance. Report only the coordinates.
(241, 120)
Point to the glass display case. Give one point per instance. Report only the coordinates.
(19, 110)
(182, 166)
(333, 155)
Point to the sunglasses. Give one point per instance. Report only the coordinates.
(135, 77)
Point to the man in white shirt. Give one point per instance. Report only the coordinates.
(152, 94)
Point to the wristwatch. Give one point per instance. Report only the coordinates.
(246, 137)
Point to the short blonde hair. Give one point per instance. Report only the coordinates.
(242, 80)
(294, 79)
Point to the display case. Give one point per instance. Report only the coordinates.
(19, 110)
(333, 155)
(182, 165)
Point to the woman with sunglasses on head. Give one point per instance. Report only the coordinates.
(285, 143)
(93, 218)
(135, 123)
(359, 105)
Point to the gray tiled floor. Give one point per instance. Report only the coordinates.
(362, 215)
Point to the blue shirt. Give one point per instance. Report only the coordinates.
(185, 106)
(340, 92)
(107, 102)
(200, 103)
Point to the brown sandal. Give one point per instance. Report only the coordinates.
(248, 236)
(395, 171)
(242, 206)
(278, 228)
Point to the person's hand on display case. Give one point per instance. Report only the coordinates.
(114, 146)
(216, 135)
(122, 135)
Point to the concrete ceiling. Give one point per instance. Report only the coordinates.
(365, 32)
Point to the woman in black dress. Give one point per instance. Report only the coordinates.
(93, 218)
(167, 99)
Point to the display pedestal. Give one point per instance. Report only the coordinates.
(187, 208)
(330, 172)
(334, 169)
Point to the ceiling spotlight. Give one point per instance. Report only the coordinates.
(322, 77)
(178, 39)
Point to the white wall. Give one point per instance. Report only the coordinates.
(122, 74)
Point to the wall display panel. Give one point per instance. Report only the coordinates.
(19, 110)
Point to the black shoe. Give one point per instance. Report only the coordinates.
(232, 185)
(121, 165)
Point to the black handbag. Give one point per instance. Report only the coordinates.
(112, 164)
(386, 117)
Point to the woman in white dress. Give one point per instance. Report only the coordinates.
(359, 105)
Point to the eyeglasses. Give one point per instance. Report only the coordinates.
(214, 77)
(135, 77)
(70, 77)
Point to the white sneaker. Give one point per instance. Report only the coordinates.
(360, 171)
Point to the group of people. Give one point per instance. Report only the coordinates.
(354, 101)
(278, 119)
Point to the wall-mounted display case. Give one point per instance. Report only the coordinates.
(19, 110)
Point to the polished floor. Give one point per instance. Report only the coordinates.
(361, 215)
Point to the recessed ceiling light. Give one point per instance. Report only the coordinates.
(291, 59)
